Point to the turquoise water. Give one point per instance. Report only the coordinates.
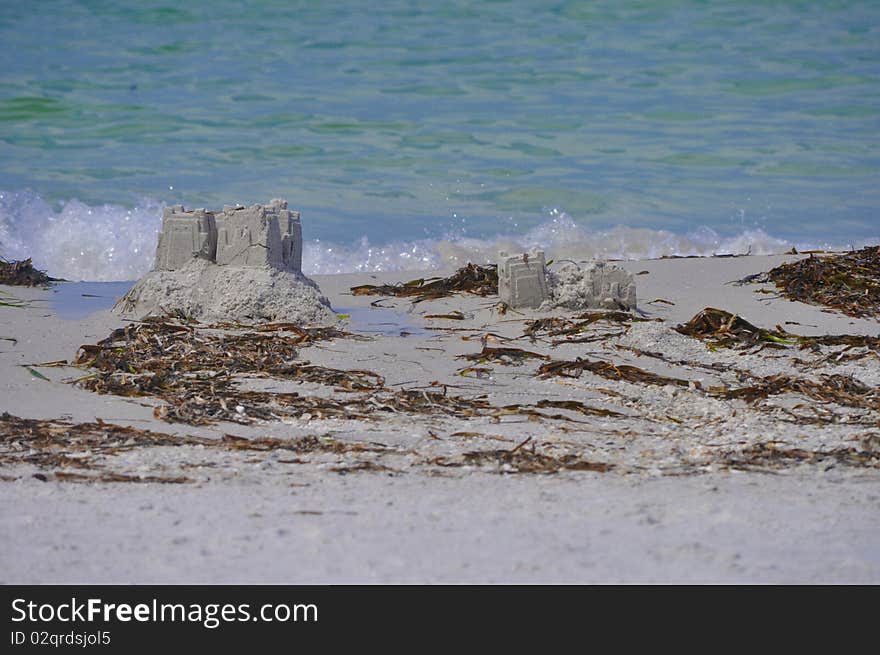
(411, 133)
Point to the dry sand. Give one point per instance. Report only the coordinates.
(681, 503)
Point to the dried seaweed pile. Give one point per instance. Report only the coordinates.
(609, 371)
(160, 354)
(474, 279)
(196, 371)
(849, 283)
(573, 329)
(505, 356)
(82, 452)
(841, 389)
(522, 459)
(723, 329)
(85, 447)
(22, 273)
(770, 455)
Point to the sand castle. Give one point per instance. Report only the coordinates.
(238, 264)
(525, 282)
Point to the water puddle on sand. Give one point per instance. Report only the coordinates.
(77, 300)
(381, 321)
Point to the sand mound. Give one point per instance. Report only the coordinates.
(244, 294)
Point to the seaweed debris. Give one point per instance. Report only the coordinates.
(474, 279)
(770, 455)
(158, 353)
(609, 371)
(556, 326)
(22, 273)
(195, 370)
(848, 282)
(577, 406)
(723, 329)
(841, 389)
(522, 460)
(55, 444)
(303, 334)
(7, 300)
(506, 356)
(451, 316)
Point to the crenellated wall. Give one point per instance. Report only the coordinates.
(259, 235)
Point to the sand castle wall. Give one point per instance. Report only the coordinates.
(259, 235)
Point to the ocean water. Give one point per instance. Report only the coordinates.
(417, 134)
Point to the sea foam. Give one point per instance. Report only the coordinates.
(109, 242)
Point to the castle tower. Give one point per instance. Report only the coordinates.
(185, 235)
(260, 235)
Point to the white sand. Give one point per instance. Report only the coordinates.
(670, 510)
(208, 293)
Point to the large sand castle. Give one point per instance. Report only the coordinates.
(240, 264)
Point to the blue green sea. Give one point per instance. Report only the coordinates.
(419, 134)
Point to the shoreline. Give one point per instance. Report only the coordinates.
(678, 501)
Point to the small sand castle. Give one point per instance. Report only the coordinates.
(525, 282)
(241, 264)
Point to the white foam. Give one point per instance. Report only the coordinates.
(111, 242)
(559, 236)
(79, 242)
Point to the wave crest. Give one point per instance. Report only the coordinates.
(110, 242)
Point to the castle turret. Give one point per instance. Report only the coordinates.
(185, 235)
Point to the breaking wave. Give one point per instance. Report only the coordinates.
(110, 242)
(79, 242)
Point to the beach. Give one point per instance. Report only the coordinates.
(449, 460)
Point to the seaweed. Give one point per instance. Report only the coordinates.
(577, 406)
(7, 300)
(609, 371)
(770, 455)
(555, 326)
(195, 371)
(22, 273)
(715, 367)
(143, 358)
(364, 465)
(304, 334)
(452, 316)
(723, 329)
(472, 278)
(506, 356)
(522, 460)
(841, 389)
(848, 282)
(66, 476)
(56, 444)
